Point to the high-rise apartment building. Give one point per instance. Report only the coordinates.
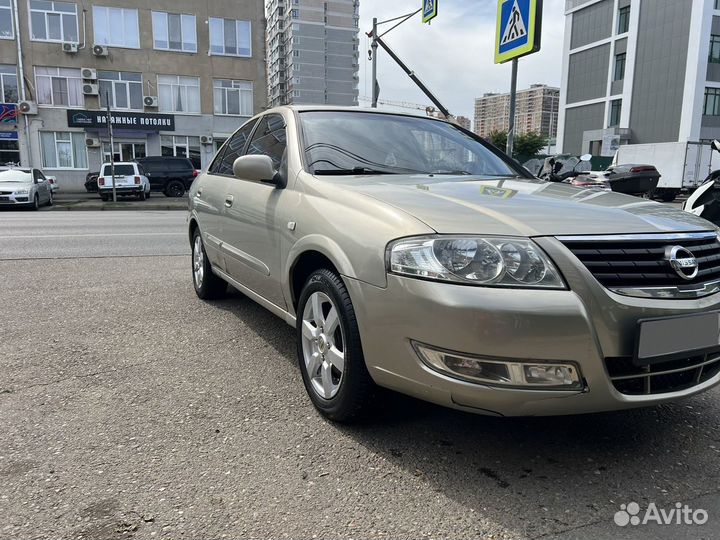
(536, 112)
(639, 71)
(312, 51)
(180, 76)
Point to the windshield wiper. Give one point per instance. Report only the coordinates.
(350, 172)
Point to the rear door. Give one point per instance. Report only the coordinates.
(154, 173)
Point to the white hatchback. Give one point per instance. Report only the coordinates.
(129, 180)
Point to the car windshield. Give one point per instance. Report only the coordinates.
(16, 176)
(339, 143)
(120, 170)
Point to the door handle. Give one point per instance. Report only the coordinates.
(228, 200)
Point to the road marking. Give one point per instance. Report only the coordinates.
(90, 235)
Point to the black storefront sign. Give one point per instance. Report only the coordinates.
(121, 120)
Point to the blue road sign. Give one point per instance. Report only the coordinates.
(429, 10)
(519, 24)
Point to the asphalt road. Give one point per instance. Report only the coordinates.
(131, 409)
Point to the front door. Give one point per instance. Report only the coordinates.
(252, 226)
(209, 198)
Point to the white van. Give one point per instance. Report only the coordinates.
(130, 179)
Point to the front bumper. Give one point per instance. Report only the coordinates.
(15, 200)
(587, 325)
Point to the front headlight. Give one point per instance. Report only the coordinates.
(21, 191)
(493, 261)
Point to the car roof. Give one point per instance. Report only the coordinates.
(335, 108)
(119, 163)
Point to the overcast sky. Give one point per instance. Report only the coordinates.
(454, 55)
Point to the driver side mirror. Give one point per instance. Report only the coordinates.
(715, 145)
(256, 168)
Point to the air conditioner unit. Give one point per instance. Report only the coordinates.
(89, 74)
(91, 89)
(150, 101)
(70, 48)
(206, 139)
(101, 50)
(28, 107)
(92, 142)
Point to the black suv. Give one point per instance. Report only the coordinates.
(171, 175)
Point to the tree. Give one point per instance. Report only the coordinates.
(499, 139)
(529, 144)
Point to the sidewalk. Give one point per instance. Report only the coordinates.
(91, 201)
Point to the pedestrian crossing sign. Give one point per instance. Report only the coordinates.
(519, 24)
(429, 10)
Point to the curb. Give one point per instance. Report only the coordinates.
(113, 206)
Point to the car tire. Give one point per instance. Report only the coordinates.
(208, 286)
(103, 198)
(342, 395)
(175, 189)
(50, 200)
(36, 202)
(142, 196)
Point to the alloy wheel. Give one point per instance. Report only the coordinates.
(198, 262)
(323, 345)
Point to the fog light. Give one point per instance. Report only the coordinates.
(497, 372)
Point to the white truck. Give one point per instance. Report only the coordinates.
(682, 165)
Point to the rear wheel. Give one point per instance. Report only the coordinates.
(175, 189)
(208, 286)
(329, 350)
(141, 196)
(50, 199)
(104, 198)
(36, 202)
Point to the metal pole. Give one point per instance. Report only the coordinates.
(374, 48)
(112, 146)
(513, 95)
(21, 82)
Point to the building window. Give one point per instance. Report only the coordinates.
(615, 112)
(188, 147)
(717, 4)
(619, 73)
(174, 32)
(295, 13)
(623, 20)
(63, 150)
(9, 84)
(714, 49)
(53, 21)
(233, 98)
(123, 88)
(9, 151)
(6, 20)
(712, 102)
(124, 151)
(61, 87)
(179, 94)
(117, 27)
(230, 37)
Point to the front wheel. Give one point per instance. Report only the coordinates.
(36, 202)
(329, 350)
(208, 286)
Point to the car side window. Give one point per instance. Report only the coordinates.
(37, 175)
(269, 139)
(231, 150)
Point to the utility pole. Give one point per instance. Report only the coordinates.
(513, 96)
(374, 65)
(112, 145)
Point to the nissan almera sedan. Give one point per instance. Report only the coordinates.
(409, 254)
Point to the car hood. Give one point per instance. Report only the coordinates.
(519, 206)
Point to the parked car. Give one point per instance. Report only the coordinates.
(412, 255)
(24, 188)
(172, 176)
(91, 184)
(631, 179)
(52, 180)
(130, 180)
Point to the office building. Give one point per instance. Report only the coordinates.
(312, 51)
(180, 76)
(536, 111)
(639, 71)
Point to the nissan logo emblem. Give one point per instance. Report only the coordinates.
(683, 262)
